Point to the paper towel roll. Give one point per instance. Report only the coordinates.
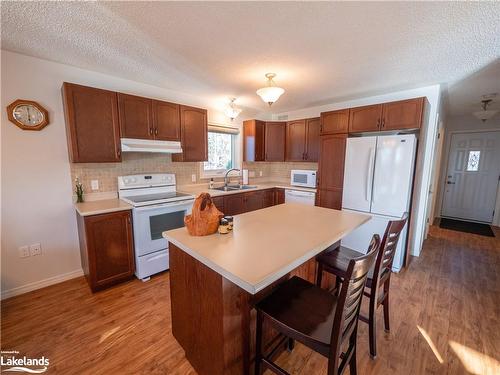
(245, 176)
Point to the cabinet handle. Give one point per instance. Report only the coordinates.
(156, 131)
(150, 131)
(118, 153)
(383, 122)
(378, 123)
(307, 156)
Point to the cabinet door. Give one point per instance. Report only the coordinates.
(254, 200)
(331, 161)
(253, 140)
(275, 141)
(269, 198)
(166, 121)
(92, 125)
(110, 248)
(136, 116)
(194, 135)
(329, 198)
(312, 139)
(219, 203)
(334, 122)
(234, 204)
(296, 140)
(365, 119)
(404, 114)
(279, 196)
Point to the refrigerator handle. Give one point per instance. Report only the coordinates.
(369, 181)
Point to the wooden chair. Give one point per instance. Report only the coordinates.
(336, 262)
(302, 311)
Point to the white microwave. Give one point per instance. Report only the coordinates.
(303, 178)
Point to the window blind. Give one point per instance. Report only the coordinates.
(222, 129)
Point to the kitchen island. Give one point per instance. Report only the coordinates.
(215, 281)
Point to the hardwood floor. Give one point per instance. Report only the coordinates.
(445, 319)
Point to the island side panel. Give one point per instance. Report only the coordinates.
(197, 311)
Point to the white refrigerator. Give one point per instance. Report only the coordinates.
(378, 179)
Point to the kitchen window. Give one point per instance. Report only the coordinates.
(222, 151)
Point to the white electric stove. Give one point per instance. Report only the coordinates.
(157, 207)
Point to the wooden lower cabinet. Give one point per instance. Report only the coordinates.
(329, 198)
(219, 203)
(235, 204)
(279, 196)
(106, 248)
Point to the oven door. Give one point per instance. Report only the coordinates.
(151, 221)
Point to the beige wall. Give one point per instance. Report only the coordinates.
(36, 177)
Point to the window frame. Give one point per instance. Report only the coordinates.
(219, 173)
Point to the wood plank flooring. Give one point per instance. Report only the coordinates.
(445, 319)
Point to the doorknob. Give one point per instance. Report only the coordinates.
(450, 183)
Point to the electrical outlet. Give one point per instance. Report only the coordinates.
(260, 173)
(193, 178)
(36, 249)
(94, 184)
(24, 251)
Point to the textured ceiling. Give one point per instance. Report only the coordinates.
(321, 52)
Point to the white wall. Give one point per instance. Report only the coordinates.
(463, 123)
(36, 184)
(426, 148)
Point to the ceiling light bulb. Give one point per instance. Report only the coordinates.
(231, 111)
(271, 92)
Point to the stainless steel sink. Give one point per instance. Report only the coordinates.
(235, 187)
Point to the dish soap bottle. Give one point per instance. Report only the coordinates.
(211, 184)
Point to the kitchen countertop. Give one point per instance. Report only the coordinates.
(203, 188)
(267, 244)
(102, 206)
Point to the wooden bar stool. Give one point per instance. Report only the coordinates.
(302, 311)
(337, 261)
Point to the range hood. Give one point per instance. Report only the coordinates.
(149, 145)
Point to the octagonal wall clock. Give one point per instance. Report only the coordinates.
(28, 115)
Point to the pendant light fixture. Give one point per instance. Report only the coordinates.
(271, 92)
(231, 111)
(486, 114)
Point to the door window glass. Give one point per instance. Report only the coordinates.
(160, 223)
(473, 161)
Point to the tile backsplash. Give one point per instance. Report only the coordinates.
(138, 163)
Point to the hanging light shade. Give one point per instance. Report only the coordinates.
(231, 111)
(271, 92)
(485, 114)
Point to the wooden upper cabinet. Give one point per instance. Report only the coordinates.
(296, 140)
(136, 116)
(404, 114)
(334, 122)
(92, 124)
(365, 119)
(312, 139)
(194, 134)
(275, 141)
(253, 140)
(166, 121)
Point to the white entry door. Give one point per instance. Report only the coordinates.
(472, 176)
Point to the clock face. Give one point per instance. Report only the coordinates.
(28, 115)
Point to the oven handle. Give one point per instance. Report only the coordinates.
(155, 206)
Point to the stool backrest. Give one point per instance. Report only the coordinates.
(385, 257)
(349, 302)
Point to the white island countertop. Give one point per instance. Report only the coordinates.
(267, 244)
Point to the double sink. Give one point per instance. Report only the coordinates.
(235, 187)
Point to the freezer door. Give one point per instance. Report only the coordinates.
(360, 238)
(358, 173)
(392, 180)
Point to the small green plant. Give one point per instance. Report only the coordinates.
(79, 190)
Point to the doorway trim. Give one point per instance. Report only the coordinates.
(445, 162)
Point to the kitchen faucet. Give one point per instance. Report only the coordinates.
(225, 176)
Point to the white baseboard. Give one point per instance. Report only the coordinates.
(41, 284)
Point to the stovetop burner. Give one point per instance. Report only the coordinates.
(156, 197)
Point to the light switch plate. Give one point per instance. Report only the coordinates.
(24, 252)
(193, 178)
(260, 173)
(94, 184)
